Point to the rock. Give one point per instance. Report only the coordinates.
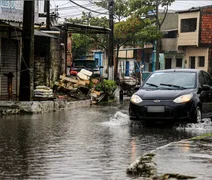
(143, 166)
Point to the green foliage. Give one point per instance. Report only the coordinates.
(136, 29)
(202, 137)
(88, 41)
(80, 45)
(108, 86)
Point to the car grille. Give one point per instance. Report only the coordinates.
(164, 114)
(141, 112)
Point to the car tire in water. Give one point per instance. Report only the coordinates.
(198, 115)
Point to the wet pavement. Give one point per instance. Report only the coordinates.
(188, 157)
(85, 143)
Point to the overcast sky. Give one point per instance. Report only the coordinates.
(68, 9)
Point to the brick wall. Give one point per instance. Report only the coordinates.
(39, 77)
(206, 26)
(45, 75)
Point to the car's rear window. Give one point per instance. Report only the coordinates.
(85, 64)
(185, 80)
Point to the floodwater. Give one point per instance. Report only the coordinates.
(96, 143)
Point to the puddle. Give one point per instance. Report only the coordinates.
(119, 119)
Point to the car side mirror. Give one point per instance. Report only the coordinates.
(101, 66)
(206, 87)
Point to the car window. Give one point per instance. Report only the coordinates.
(182, 79)
(201, 79)
(207, 78)
(85, 64)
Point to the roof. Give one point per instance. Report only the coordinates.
(39, 33)
(84, 29)
(194, 9)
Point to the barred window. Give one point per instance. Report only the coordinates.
(201, 61)
(179, 62)
(188, 25)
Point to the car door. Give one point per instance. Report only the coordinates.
(208, 81)
(204, 95)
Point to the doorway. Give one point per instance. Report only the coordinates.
(192, 62)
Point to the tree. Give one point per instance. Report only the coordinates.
(80, 45)
(143, 7)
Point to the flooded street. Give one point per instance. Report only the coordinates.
(80, 144)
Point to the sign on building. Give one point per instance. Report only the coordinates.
(12, 10)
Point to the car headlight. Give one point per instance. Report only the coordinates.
(183, 98)
(135, 99)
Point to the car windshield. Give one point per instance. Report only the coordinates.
(85, 64)
(171, 80)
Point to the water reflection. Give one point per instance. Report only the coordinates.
(90, 143)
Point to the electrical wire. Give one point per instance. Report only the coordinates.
(87, 8)
(90, 6)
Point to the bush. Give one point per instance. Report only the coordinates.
(108, 86)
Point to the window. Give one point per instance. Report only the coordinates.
(201, 61)
(192, 62)
(179, 62)
(183, 79)
(201, 79)
(168, 63)
(188, 25)
(207, 78)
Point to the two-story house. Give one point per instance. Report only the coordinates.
(170, 57)
(195, 37)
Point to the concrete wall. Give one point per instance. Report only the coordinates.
(169, 44)
(56, 60)
(171, 21)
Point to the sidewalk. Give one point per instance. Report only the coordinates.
(17, 107)
(186, 159)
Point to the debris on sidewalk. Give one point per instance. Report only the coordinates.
(43, 92)
(84, 86)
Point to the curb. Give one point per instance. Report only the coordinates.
(35, 107)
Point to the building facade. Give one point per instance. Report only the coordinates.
(195, 37)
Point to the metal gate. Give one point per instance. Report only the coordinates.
(8, 64)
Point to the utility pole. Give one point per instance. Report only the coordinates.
(47, 9)
(111, 37)
(27, 61)
(48, 42)
(157, 65)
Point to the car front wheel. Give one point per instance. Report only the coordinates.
(197, 116)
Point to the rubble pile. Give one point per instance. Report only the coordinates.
(81, 86)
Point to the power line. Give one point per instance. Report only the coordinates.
(87, 8)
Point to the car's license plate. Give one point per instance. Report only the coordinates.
(156, 109)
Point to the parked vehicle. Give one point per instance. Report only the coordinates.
(173, 95)
(90, 65)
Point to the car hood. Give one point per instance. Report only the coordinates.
(150, 94)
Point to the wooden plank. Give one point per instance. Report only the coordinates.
(69, 79)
